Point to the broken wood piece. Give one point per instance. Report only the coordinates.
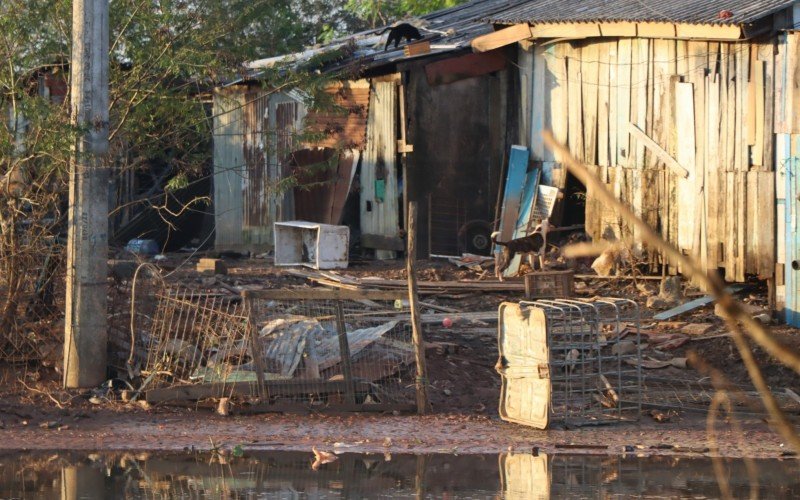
(657, 150)
(694, 304)
(501, 38)
(697, 328)
(211, 266)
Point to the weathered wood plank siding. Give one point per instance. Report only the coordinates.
(710, 105)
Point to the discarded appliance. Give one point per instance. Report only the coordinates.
(318, 246)
(559, 364)
(549, 284)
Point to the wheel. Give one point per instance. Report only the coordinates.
(477, 237)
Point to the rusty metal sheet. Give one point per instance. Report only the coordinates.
(524, 366)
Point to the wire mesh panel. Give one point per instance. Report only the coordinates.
(282, 347)
(334, 348)
(583, 373)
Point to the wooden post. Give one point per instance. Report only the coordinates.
(85, 324)
(344, 352)
(255, 348)
(416, 322)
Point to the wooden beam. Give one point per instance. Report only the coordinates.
(657, 150)
(655, 30)
(633, 29)
(618, 29)
(325, 294)
(501, 38)
(565, 30)
(708, 31)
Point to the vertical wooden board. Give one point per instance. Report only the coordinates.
(766, 217)
(663, 69)
(779, 74)
(673, 182)
(741, 153)
(623, 101)
(589, 74)
(711, 198)
(741, 225)
(613, 82)
(731, 124)
(792, 191)
(525, 66)
(603, 102)
(758, 112)
(751, 222)
(682, 58)
(539, 118)
(730, 226)
(574, 86)
(723, 107)
(698, 63)
(793, 81)
(750, 106)
(640, 64)
(556, 82)
(687, 195)
(380, 214)
(766, 51)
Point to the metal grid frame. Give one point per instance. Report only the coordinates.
(591, 382)
(282, 350)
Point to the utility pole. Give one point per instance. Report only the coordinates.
(86, 336)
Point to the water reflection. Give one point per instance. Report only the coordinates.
(289, 475)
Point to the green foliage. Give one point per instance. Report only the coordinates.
(379, 12)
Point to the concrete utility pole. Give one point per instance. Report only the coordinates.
(86, 333)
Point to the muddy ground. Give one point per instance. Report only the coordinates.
(464, 390)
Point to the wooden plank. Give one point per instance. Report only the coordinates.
(623, 102)
(565, 30)
(657, 150)
(694, 304)
(575, 107)
(589, 75)
(779, 112)
(639, 109)
(556, 94)
(655, 30)
(603, 111)
(793, 83)
(712, 198)
(708, 31)
(620, 29)
(741, 154)
(613, 83)
(538, 102)
(501, 38)
(758, 113)
(382, 242)
(766, 52)
(751, 222)
(766, 222)
(730, 226)
(324, 294)
(731, 126)
(698, 62)
(684, 126)
(741, 224)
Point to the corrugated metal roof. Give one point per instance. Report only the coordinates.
(678, 11)
(447, 30)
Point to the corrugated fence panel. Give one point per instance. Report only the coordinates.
(228, 162)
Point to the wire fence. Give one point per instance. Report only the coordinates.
(315, 349)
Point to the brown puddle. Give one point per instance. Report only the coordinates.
(350, 475)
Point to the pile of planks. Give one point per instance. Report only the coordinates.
(335, 280)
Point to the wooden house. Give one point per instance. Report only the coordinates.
(682, 110)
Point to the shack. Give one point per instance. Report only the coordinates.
(681, 108)
(427, 121)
